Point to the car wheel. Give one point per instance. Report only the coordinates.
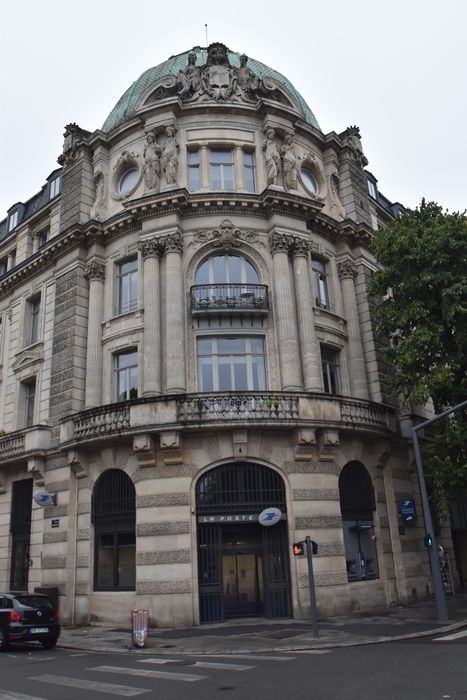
(3, 640)
(49, 643)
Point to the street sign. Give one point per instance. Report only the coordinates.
(407, 511)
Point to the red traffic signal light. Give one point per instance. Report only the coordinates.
(298, 549)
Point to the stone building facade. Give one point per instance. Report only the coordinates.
(186, 341)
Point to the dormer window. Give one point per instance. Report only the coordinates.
(54, 187)
(372, 189)
(12, 220)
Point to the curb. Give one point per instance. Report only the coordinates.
(270, 650)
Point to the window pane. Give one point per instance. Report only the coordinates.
(216, 177)
(248, 158)
(218, 156)
(193, 158)
(127, 359)
(218, 269)
(105, 555)
(229, 345)
(257, 345)
(202, 274)
(228, 177)
(225, 382)
(193, 179)
(251, 274)
(204, 346)
(206, 374)
(234, 268)
(240, 374)
(258, 373)
(126, 560)
(133, 382)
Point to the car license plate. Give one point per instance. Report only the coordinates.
(39, 630)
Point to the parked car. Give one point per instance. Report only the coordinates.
(28, 617)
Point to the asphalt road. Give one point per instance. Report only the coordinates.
(421, 669)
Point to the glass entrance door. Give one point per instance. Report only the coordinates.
(243, 584)
(242, 571)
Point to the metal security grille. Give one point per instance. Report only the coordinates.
(20, 527)
(21, 506)
(235, 489)
(356, 492)
(239, 488)
(113, 499)
(277, 575)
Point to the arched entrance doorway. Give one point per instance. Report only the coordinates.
(243, 567)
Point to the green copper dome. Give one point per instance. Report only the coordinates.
(125, 107)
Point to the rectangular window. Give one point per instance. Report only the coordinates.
(3, 266)
(126, 375)
(29, 401)
(42, 238)
(12, 221)
(34, 314)
(231, 364)
(54, 187)
(330, 367)
(115, 561)
(12, 259)
(194, 182)
(20, 528)
(371, 188)
(249, 170)
(128, 286)
(222, 170)
(320, 284)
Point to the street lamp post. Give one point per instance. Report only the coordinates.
(438, 585)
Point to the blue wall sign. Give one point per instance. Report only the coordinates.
(407, 511)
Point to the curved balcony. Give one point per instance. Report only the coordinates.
(209, 298)
(266, 410)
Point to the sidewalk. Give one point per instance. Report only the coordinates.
(261, 636)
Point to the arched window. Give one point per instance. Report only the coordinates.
(114, 516)
(357, 506)
(225, 269)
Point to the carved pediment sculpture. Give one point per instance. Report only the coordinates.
(227, 236)
(74, 136)
(169, 156)
(289, 163)
(272, 157)
(352, 139)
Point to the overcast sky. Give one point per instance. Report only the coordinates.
(396, 69)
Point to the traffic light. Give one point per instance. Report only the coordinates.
(298, 549)
(428, 541)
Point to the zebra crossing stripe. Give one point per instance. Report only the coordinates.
(219, 666)
(146, 673)
(451, 637)
(110, 688)
(158, 661)
(7, 695)
(251, 657)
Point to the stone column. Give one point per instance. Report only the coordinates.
(287, 339)
(239, 169)
(150, 252)
(358, 379)
(309, 350)
(204, 168)
(95, 274)
(174, 315)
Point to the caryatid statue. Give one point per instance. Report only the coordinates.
(169, 157)
(272, 157)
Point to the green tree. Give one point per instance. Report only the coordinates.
(421, 294)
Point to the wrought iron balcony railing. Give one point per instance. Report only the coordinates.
(229, 297)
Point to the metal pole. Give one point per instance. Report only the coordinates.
(311, 583)
(438, 585)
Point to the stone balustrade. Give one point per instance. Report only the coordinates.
(104, 420)
(11, 445)
(160, 413)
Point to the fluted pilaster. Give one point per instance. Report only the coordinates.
(309, 351)
(151, 251)
(95, 274)
(175, 335)
(287, 339)
(357, 369)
